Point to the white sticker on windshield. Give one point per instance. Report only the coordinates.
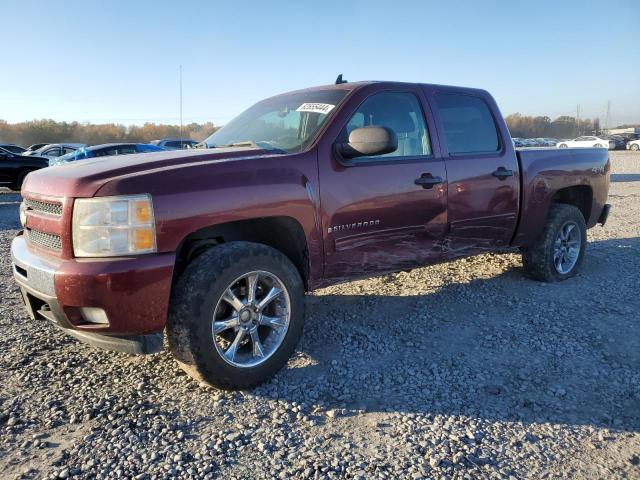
(323, 108)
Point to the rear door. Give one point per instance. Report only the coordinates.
(482, 169)
(375, 217)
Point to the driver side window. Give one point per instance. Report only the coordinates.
(399, 111)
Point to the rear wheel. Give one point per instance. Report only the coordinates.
(635, 147)
(562, 145)
(598, 145)
(559, 252)
(236, 315)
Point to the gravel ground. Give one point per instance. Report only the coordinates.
(462, 370)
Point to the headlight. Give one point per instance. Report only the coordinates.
(23, 215)
(113, 226)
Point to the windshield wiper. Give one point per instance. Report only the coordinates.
(245, 143)
(249, 143)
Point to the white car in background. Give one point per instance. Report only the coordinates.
(587, 142)
(53, 150)
(633, 145)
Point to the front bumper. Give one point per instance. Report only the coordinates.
(133, 292)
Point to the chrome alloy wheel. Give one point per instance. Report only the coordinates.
(251, 319)
(566, 249)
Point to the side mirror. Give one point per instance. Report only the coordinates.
(368, 142)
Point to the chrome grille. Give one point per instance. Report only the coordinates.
(44, 240)
(44, 207)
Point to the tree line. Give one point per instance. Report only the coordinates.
(522, 126)
(50, 131)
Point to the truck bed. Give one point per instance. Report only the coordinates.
(546, 172)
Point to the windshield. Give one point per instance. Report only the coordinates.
(286, 123)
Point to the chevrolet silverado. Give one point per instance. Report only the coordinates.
(216, 246)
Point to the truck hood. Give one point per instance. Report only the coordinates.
(83, 178)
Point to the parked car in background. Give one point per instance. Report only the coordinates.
(35, 146)
(542, 142)
(14, 168)
(517, 142)
(633, 145)
(54, 149)
(174, 143)
(620, 142)
(13, 148)
(105, 150)
(588, 142)
(630, 137)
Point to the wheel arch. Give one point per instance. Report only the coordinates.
(580, 196)
(283, 233)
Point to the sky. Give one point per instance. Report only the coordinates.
(118, 61)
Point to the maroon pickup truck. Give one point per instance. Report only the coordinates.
(216, 246)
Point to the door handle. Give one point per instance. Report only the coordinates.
(502, 173)
(427, 180)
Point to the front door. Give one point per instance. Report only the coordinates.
(375, 217)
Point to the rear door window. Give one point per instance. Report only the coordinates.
(468, 124)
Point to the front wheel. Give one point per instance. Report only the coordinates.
(562, 145)
(635, 147)
(236, 315)
(559, 251)
(598, 145)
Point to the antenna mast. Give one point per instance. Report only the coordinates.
(181, 145)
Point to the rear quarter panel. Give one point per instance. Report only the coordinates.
(545, 172)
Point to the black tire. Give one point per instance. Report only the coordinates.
(195, 297)
(538, 259)
(562, 145)
(598, 145)
(635, 147)
(17, 185)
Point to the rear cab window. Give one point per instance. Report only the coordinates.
(469, 127)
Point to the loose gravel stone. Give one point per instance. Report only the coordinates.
(462, 370)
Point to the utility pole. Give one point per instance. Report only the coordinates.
(181, 145)
(606, 122)
(578, 118)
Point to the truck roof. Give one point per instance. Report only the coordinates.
(391, 84)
